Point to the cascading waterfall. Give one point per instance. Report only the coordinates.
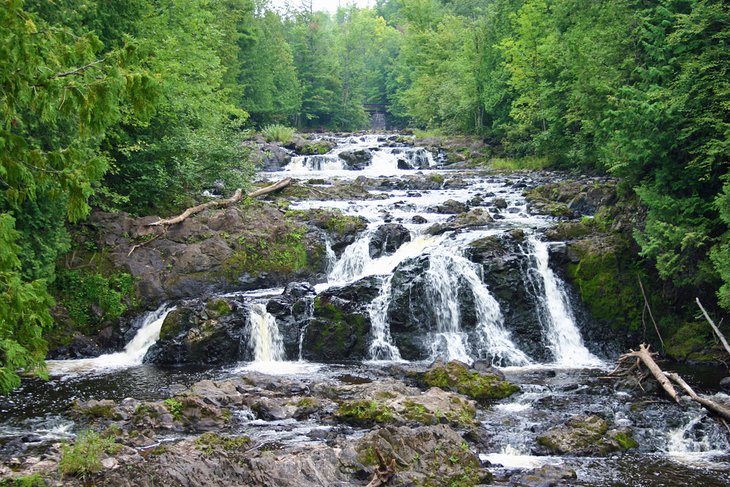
(134, 351)
(353, 260)
(382, 348)
(306, 319)
(555, 313)
(265, 340)
(330, 256)
(693, 441)
(447, 271)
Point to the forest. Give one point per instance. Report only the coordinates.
(141, 105)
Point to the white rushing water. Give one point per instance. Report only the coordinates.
(448, 272)
(561, 331)
(695, 442)
(381, 347)
(132, 355)
(265, 340)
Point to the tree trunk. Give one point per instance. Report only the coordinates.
(646, 357)
(237, 196)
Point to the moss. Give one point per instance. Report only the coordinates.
(330, 220)
(436, 178)
(208, 443)
(100, 410)
(605, 277)
(691, 342)
(314, 148)
(34, 480)
(419, 413)
(364, 413)
(175, 408)
(481, 387)
(306, 402)
(337, 334)
(625, 440)
(173, 323)
(218, 307)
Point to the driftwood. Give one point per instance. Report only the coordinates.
(651, 315)
(237, 196)
(708, 404)
(714, 327)
(645, 355)
(630, 361)
(383, 472)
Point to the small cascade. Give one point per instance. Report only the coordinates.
(382, 348)
(447, 272)
(308, 315)
(330, 256)
(695, 440)
(265, 340)
(353, 261)
(133, 354)
(327, 162)
(555, 313)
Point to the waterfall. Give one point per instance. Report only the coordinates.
(330, 256)
(694, 437)
(555, 313)
(353, 260)
(132, 355)
(265, 340)
(382, 348)
(307, 318)
(447, 272)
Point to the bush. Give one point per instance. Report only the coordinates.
(277, 133)
(83, 458)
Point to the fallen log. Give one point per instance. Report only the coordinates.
(714, 327)
(383, 472)
(708, 404)
(237, 196)
(645, 355)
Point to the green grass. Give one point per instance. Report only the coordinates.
(278, 133)
(524, 163)
(83, 458)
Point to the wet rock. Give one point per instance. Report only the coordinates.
(500, 203)
(545, 476)
(304, 147)
(450, 207)
(456, 376)
(418, 219)
(341, 230)
(387, 239)
(725, 384)
(586, 435)
(357, 160)
(340, 327)
(199, 332)
(476, 217)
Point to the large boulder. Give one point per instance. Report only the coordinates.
(340, 325)
(357, 160)
(586, 435)
(198, 332)
(481, 386)
(476, 217)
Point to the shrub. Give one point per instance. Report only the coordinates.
(277, 133)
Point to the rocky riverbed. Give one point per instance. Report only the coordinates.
(457, 322)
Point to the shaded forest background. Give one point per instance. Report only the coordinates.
(140, 105)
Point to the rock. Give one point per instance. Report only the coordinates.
(340, 327)
(305, 147)
(418, 219)
(586, 435)
(387, 239)
(500, 203)
(725, 384)
(476, 217)
(110, 463)
(357, 160)
(456, 376)
(199, 332)
(450, 207)
(545, 476)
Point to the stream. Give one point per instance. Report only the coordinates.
(551, 349)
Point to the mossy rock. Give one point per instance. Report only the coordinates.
(335, 334)
(218, 307)
(456, 376)
(587, 435)
(692, 342)
(364, 413)
(210, 443)
(330, 220)
(174, 323)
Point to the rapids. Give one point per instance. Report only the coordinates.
(559, 375)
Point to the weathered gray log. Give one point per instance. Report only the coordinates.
(646, 357)
(237, 196)
(708, 404)
(714, 327)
